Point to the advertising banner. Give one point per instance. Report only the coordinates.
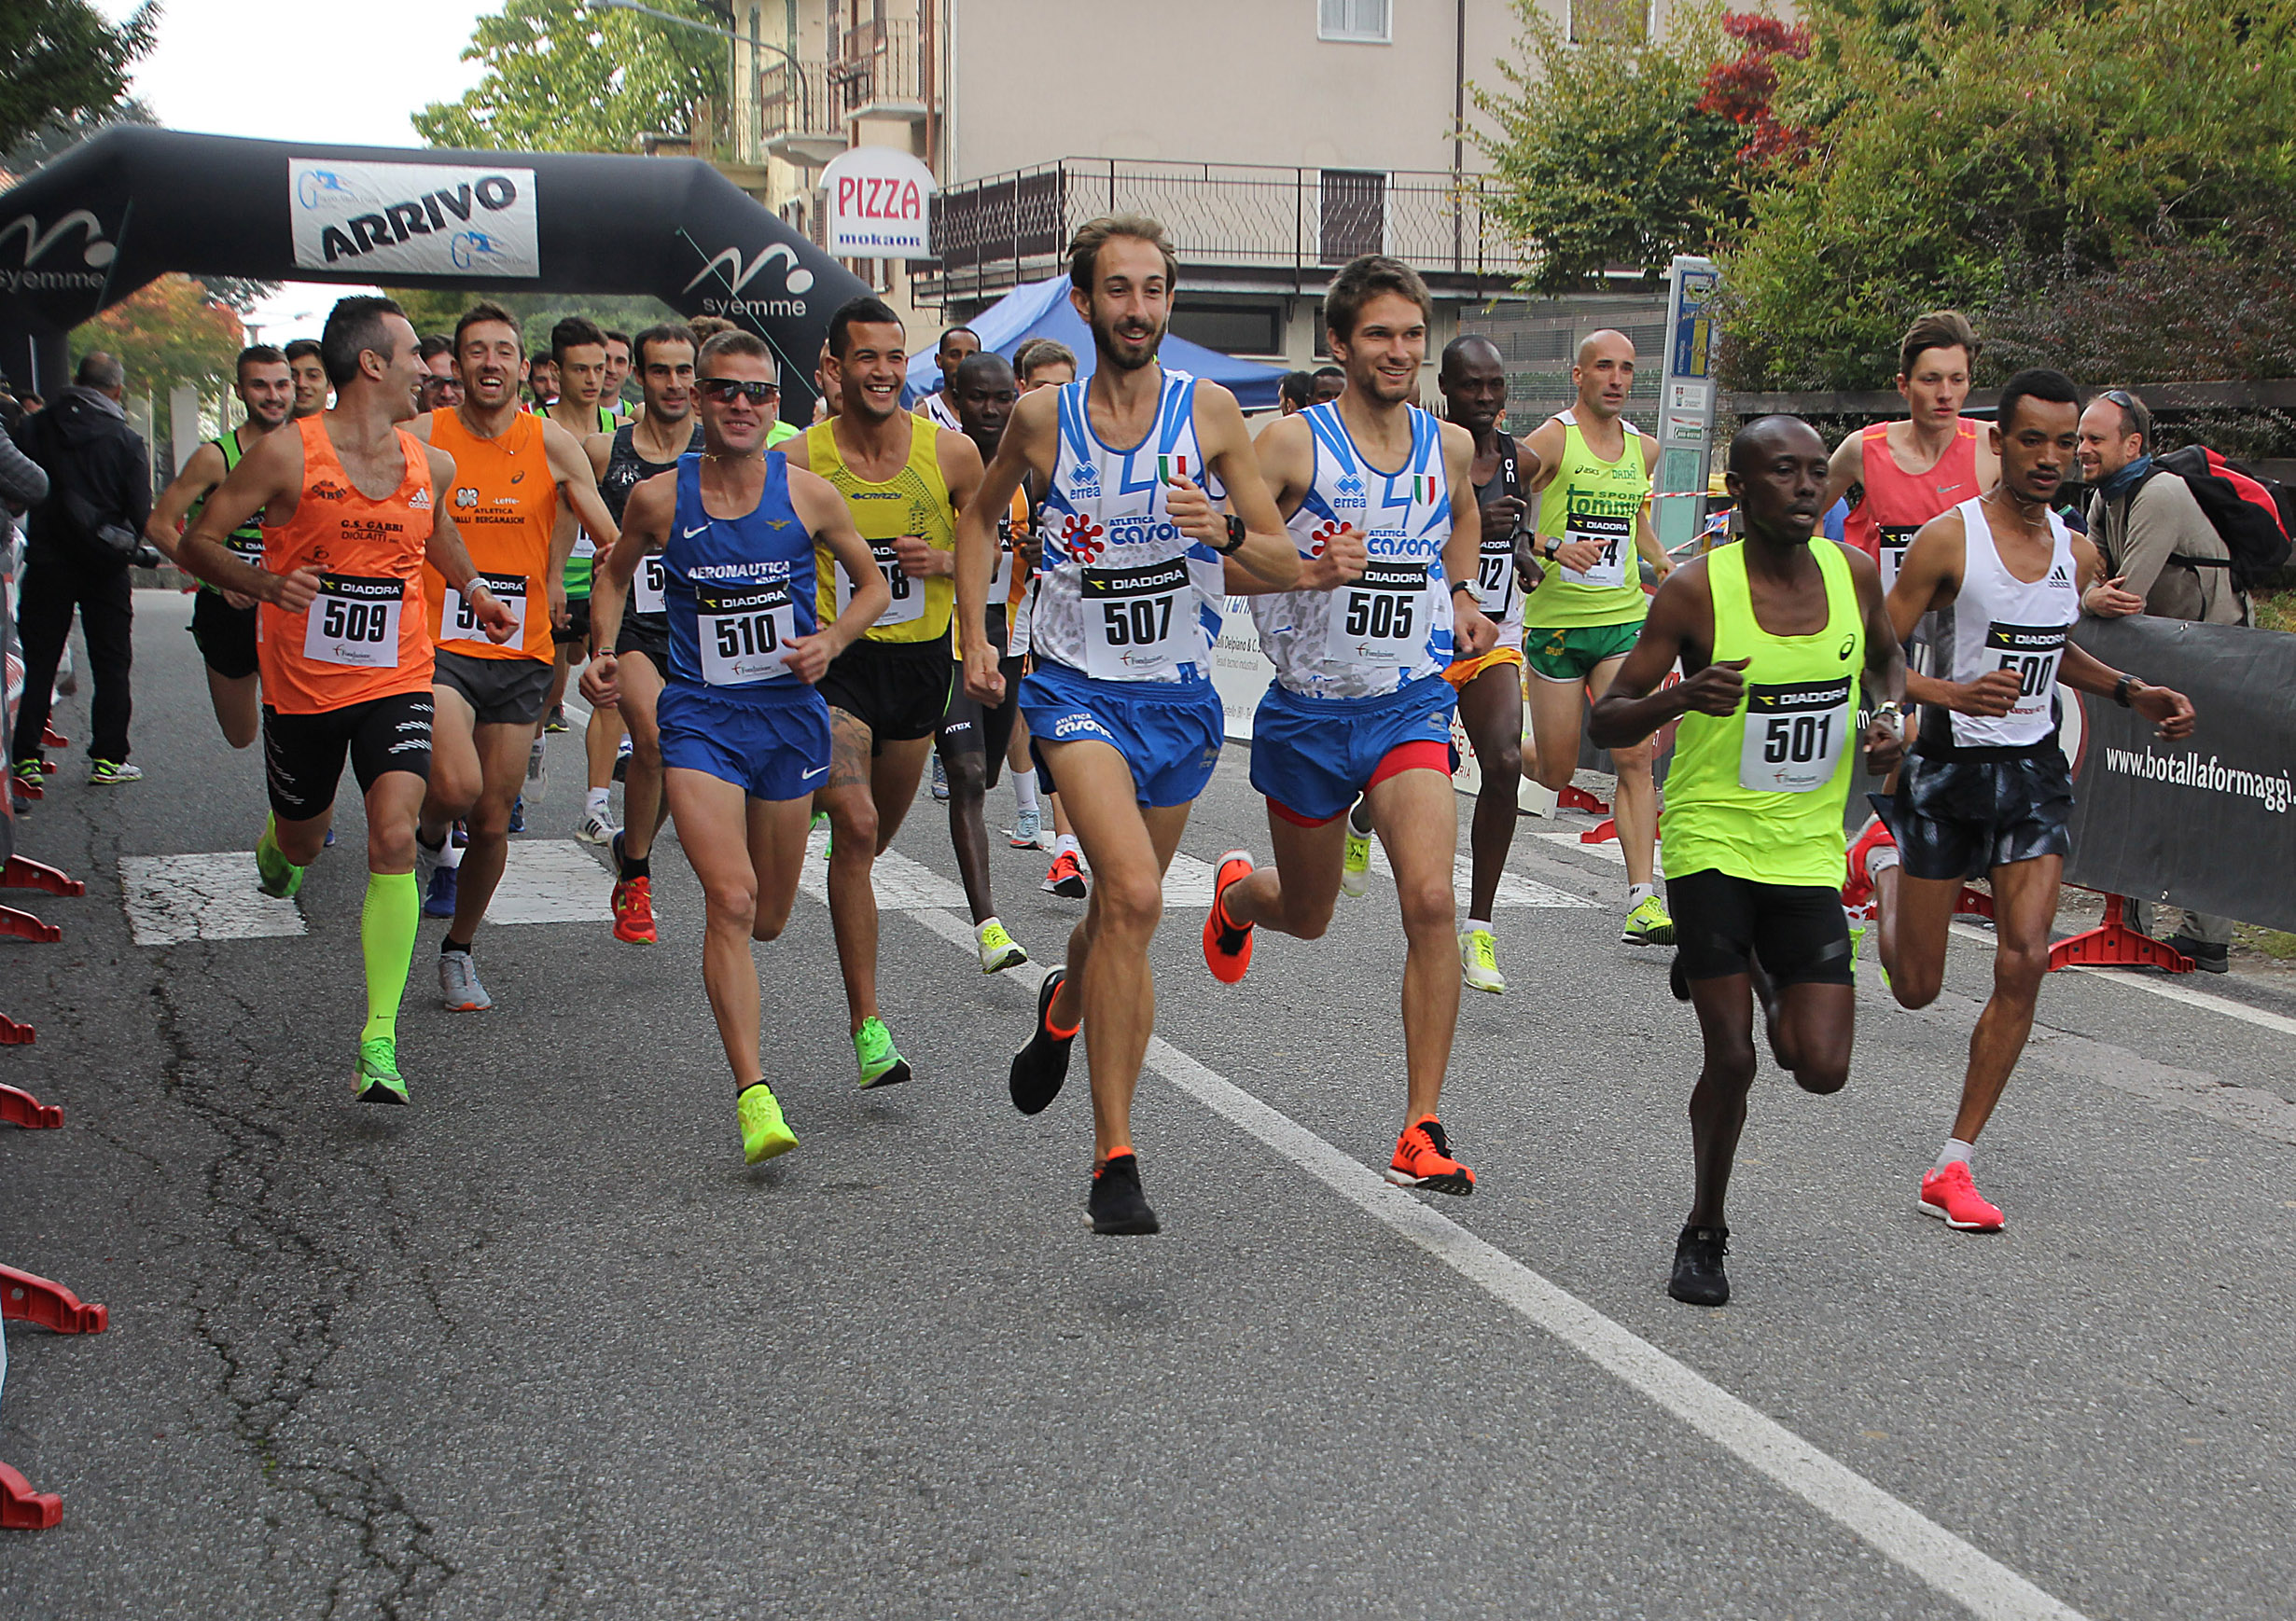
(877, 203)
(413, 220)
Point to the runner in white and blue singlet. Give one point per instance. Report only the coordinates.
(745, 736)
(1127, 601)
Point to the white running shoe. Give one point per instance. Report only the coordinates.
(459, 990)
(1027, 830)
(593, 828)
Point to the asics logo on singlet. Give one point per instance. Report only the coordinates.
(1849, 644)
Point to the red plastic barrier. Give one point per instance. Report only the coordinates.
(53, 739)
(25, 926)
(22, 874)
(50, 1305)
(1973, 903)
(24, 1509)
(1603, 832)
(1577, 798)
(13, 1033)
(2112, 944)
(21, 1108)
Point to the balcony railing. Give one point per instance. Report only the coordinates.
(877, 66)
(1270, 224)
(793, 99)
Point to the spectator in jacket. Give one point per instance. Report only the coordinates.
(82, 539)
(2161, 557)
(23, 482)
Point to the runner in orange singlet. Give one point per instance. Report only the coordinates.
(354, 508)
(1910, 472)
(522, 484)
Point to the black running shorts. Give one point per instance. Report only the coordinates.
(899, 690)
(303, 753)
(577, 624)
(970, 729)
(224, 635)
(1798, 930)
(637, 635)
(1955, 820)
(499, 691)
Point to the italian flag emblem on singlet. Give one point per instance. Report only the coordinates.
(1423, 488)
(1171, 467)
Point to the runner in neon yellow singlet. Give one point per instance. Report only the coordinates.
(1592, 486)
(1775, 635)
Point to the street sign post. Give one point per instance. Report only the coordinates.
(1686, 400)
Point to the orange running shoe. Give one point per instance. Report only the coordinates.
(1066, 876)
(1857, 888)
(1951, 1196)
(1423, 1159)
(1227, 946)
(634, 910)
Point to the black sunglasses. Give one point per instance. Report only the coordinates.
(725, 390)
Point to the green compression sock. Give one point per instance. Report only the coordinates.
(386, 937)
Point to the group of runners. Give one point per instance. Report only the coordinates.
(1033, 572)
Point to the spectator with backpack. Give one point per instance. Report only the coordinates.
(2163, 554)
(82, 539)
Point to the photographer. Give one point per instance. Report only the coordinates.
(82, 539)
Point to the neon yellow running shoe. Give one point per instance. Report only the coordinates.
(999, 950)
(764, 1132)
(1648, 924)
(275, 875)
(1356, 865)
(1478, 961)
(378, 1080)
(881, 1065)
(821, 820)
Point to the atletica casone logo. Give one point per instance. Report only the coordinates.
(2188, 770)
(95, 253)
(739, 274)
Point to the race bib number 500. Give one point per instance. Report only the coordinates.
(354, 620)
(744, 633)
(1793, 736)
(1134, 621)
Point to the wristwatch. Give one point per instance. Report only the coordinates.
(1236, 535)
(1549, 546)
(1458, 585)
(2121, 690)
(1890, 710)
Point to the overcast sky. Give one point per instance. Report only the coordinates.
(365, 68)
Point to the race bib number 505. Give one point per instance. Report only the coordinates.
(354, 621)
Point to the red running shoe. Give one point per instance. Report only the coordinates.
(1423, 1159)
(634, 910)
(1857, 889)
(1066, 878)
(1227, 946)
(1951, 1196)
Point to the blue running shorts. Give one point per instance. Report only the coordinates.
(1310, 756)
(774, 749)
(1168, 732)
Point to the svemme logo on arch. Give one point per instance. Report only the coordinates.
(72, 256)
(734, 274)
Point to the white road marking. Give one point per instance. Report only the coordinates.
(552, 881)
(1955, 1567)
(902, 885)
(173, 898)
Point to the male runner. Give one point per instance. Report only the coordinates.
(1380, 500)
(1986, 790)
(904, 479)
(1773, 635)
(358, 520)
(1910, 472)
(1473, 380)
(972, 739)
(623, 460)
(745, 735)
(442, 391)
(940, 406)
(578, 353)
(541, 381)
(1043, 363)
(521, 485)
(618, 362)
(1119, 701)
(1329, 382)
(310, 373)
(1593, 481)
(222, 627)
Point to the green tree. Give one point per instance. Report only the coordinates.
(565, 77)
(64, 60)
(1976, 155)
(167, 332)
(1603, 158)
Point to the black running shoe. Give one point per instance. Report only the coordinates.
(1117, 1205)
(1698, 1278)
(1041, 1068)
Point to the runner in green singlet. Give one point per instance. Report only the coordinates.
(1593, 488)
(223, 624)
(1774, 635)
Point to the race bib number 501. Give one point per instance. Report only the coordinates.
(1794, 735)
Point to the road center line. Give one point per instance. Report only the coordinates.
(1956, 1568)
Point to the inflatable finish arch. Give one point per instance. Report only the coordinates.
(132, 203)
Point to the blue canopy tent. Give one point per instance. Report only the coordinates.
(1042, 309)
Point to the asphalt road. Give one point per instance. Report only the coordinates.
(540, 1345)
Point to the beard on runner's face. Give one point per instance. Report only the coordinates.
(1130, 340)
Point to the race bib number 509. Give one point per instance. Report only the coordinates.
(354, 621)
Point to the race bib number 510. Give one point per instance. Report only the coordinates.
(354, 621)
(744, 633)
